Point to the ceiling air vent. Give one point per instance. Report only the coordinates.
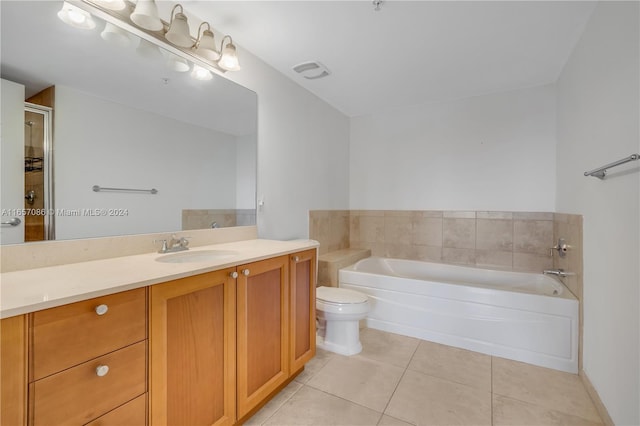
(312, 70)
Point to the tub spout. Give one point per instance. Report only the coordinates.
(558, 272)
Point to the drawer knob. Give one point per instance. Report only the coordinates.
(102, 370)
(101, 309)
(296, 259)
(234, 274)
(245, 272)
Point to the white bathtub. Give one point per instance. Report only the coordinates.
(526, 317)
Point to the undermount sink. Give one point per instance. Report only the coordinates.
(196, 256)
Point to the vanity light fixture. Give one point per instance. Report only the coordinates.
(173, 37)
(111, 4)
(145, 15)
(178, 32)
(205, 44)
(76, 17)
(229, 60)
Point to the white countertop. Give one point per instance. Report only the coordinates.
(31, 290)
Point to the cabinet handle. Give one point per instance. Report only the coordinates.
(296, 259)
(234, 274)
(102, 370)
(245, 272)
(101, 309)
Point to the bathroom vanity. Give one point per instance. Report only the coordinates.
(204, 339)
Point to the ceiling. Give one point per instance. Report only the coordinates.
(408, 52)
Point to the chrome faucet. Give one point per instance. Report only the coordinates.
(558, 272)
(174, 244)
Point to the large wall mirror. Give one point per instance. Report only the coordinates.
(180, 152)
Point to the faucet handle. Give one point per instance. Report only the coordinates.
(164, 247)
(184, 241)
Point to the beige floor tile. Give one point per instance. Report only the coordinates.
(548, 388)
(360, 380)
(511, 412)
(272, 406)
(315, 365)
(309, 406)
(386, 347)
(454, 364)
(427, 400)
(392, 421)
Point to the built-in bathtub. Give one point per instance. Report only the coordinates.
(521, 316)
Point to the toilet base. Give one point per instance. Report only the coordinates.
(341, 337)
(336, 348)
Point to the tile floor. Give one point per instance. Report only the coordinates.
(398, 380)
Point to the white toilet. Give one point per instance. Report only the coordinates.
(339, 312)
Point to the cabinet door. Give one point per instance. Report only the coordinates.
(303, 308)
(192, 356)
(13, 369)
(262, 330)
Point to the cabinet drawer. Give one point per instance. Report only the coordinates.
(69, 335)
(133, 413)
(79, 395)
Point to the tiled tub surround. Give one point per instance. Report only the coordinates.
(518, 241)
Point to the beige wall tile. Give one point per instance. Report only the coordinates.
(398, 229)
(533, 216)
(459, 214)
(427, 231)
(529, 262)
(494, 259)
(459, 233)
(494, 234)
(459, 256)
(428, 253)
(532, 236)
(494, 215)
(372, 229)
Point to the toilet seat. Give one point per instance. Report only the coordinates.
(339, 296)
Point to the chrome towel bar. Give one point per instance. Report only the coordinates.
(601, 172)
(97, 188)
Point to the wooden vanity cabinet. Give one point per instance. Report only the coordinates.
(88, 359)
(192, 350)
(13, 371)
(262, 330)
(302, 341)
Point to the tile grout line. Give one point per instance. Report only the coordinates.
(401, 377)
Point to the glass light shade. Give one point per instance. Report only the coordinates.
(178, 33)
(112, 4)
(200, 73)
(77, 18)
(229, 60)
(145, 15)
(116, 35)
(207, 47)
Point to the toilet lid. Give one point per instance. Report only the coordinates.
(339, 295)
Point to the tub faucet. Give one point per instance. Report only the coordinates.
(558, 272)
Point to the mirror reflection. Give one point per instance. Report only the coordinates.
(123, 115)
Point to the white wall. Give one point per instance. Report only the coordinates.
(12, 157)
(191, 167)
(493, 152)
(598, 119)
(303, 151)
